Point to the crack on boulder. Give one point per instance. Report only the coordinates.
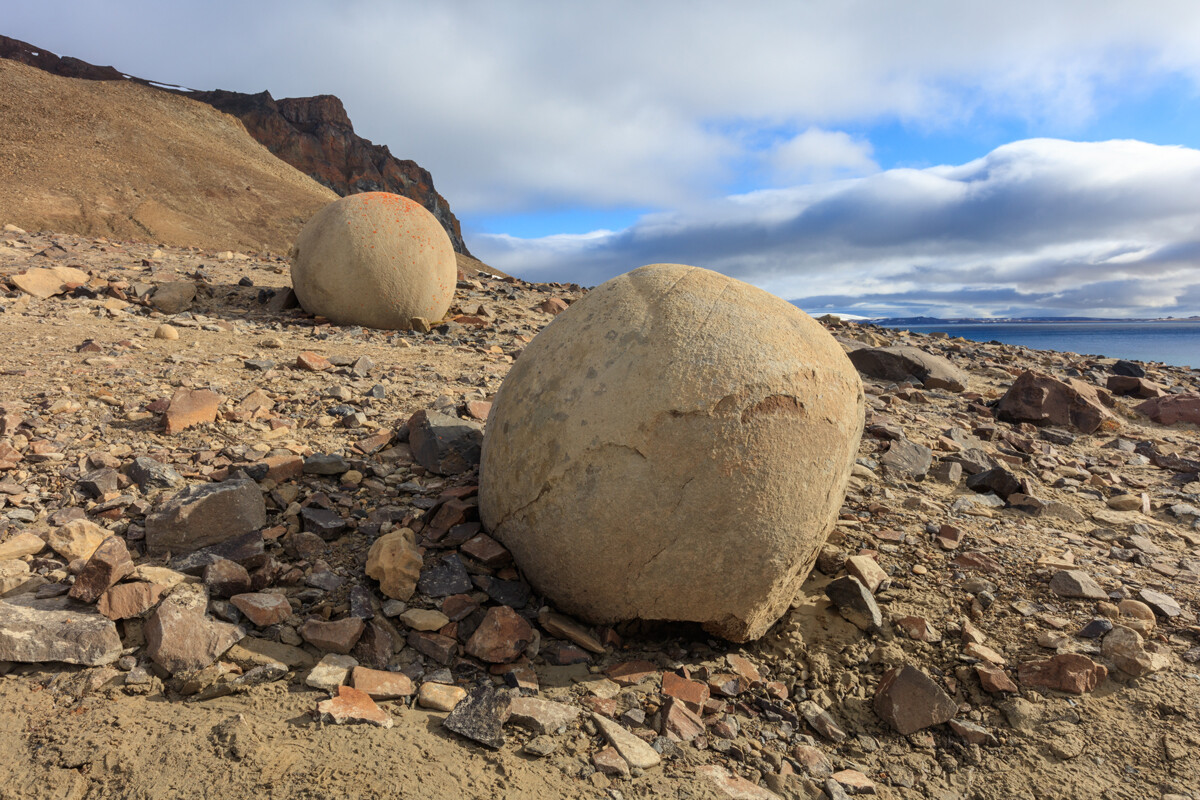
(781, 404)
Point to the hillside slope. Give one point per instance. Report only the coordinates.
(116, 158)
(313, 134)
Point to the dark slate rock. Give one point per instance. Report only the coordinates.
(514, 594)
(444, 444)
(327, 524)
(909, 363)
(99, 482)
(1095, 629)
(855, 603)
(150, 474)
(446, 577)
(480, 716)
(998, 480)
(246, 550)
(908, 459)
(1128, 369)
(259, 364)
(325, 464)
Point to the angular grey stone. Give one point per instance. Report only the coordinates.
(446, 577)
(246, 550)
(1076, 583)
(444, 444)
(904, 363)
(325, 464)
(480, 716)
(907, 458)
(998, 480)
(821, 721)
(99, 482)
(324, 522)
(150, 474)
(56, 630)
(173, 297)
(947, 472)
(855, 603)
(974, 460)
(181, 638)
(909, 700)
(1161, 603)
(205, 515)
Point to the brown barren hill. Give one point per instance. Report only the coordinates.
(107, 158)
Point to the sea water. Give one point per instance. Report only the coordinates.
(1175, 343)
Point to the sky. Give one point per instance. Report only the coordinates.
(865, 157)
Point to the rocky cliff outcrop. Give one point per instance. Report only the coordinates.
(313, 134)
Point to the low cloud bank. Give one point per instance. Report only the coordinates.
(1039, 226)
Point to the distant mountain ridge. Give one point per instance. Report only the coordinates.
(313, 134)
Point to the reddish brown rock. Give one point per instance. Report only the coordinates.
(126, 600)
(501, 637)
(380, 684)
(918, 628)
(486, 551)
(283, 468)
(693, 694)
(552, 306)
(813, 760)
(1127, 385)
(1043, 400)
(631, 673)
(609, 762)
(994, 679)
(1068, 672)
(478, 409)
(191, 407)
(441, 649)
(1173, 408)
(681, 721)
(351, 706)
(108, 564)
(225, 578)
(313, 362)
(9, 456)
(333, 637)
(180, 638)
(909, 700)
(744, 668)
(263, 608)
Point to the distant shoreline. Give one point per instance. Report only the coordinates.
(924, 322)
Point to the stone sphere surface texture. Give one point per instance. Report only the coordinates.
(676, 445)
(376, 260)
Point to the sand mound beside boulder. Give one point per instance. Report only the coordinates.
(674, 446)
(376, 260)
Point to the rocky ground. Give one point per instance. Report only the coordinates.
(231, 564)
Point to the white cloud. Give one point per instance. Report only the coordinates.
(1082, 227)
(820, 155)
(527, 105)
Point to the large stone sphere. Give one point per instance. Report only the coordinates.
(376, 260)
(674, 446)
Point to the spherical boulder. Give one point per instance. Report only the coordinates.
(376, 260)
(674, 446)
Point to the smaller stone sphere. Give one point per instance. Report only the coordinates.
(376, 260)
